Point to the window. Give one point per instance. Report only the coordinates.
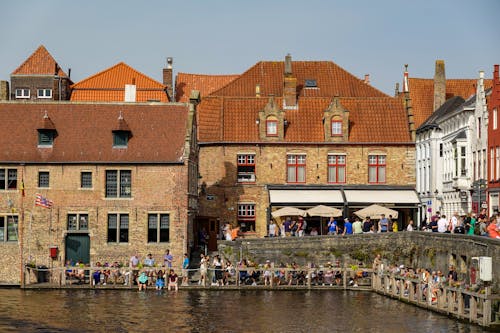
(296, 168)
(463, 167)
(272, 127)
(479, 127)
(78, 222)
(158, 228)
(120, 139)
(440, 150)
(8, 179)
(376, 168)
(492, 164)
(22, 93)
(43, 179)
(497, 164)
(246, 168)
(336, 168)
(495, 118)
(336, 127)
(44, 93)
(45, 138)
(117, 228)
(8, 228)
(246, 217)
(86, 179)
(118, 184)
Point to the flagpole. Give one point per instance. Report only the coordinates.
(21, 231)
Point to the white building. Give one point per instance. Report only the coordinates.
(451, 156)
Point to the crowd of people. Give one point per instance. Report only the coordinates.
(470, 224)
(144, 274)
(431, 281)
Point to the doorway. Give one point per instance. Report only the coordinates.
(78, 248)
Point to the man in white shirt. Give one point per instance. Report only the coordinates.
(454, 222)
(442, 224)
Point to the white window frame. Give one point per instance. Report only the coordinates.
(495, 118)
(23, 93)
(44, 93)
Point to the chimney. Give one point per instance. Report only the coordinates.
(406, 88)
(396, 90)
(439, 85)
(168, 79)
(4, 90)
(290, 85)
(496, 79)
(130, 92)
(69, 73)
(367, 78)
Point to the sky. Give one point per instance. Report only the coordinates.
(228, 37)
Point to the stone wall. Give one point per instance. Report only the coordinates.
(412, 249)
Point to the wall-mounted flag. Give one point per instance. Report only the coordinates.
(42, 201)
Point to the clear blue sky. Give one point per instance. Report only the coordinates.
(227, 37)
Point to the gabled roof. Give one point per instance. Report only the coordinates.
(85, 132)
(376, 120)
(422, 94)
(40, 62)
(205, 84)
(331, 80)
(109, 86)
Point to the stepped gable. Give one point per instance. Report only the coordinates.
(109, 86)
(40, 62)
(205, 84)
(330, 80)
(377, 120)
(84, 132)
(422, 94)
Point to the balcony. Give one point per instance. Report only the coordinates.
(461, 183)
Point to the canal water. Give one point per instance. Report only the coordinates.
(215, 311)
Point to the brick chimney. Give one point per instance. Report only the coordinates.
(168, 79)
(439, 84)
(4, 90)
(290, 85)
(367, 79)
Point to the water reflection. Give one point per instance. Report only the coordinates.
(215, 311)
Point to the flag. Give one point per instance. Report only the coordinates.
(23, 193)
(42, 201)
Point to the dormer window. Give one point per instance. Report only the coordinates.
(45, 138)
(121, 133)
(272, 126)
(120, 139)
(337, 127)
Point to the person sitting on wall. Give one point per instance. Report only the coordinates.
(142, 281)
(80, 272)
(69, 272)
(172, 280)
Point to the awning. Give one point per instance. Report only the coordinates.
(382, 196)
(289, 197)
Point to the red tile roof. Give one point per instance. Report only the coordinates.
(205, 84)
(40, 62)
(109, 86)
(376, 119)
(422, 94)
(84, 132)
(331, 80)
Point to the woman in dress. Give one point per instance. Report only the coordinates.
(203, 270)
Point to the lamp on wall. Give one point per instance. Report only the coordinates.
(257, 121)
(436, 192)
(285, 122)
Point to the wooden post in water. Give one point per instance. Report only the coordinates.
(487, 307)
(473, 309)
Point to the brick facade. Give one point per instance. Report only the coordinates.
(60, 87)
(218, 171)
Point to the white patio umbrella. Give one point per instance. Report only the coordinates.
(288, 211)
(324, 211)
(374, 212)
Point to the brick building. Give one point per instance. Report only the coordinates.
(494, 144)
(300, 133)
(40, 78)
(122, 179)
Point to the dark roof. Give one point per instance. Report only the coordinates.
(84, 132)
(449, 106)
